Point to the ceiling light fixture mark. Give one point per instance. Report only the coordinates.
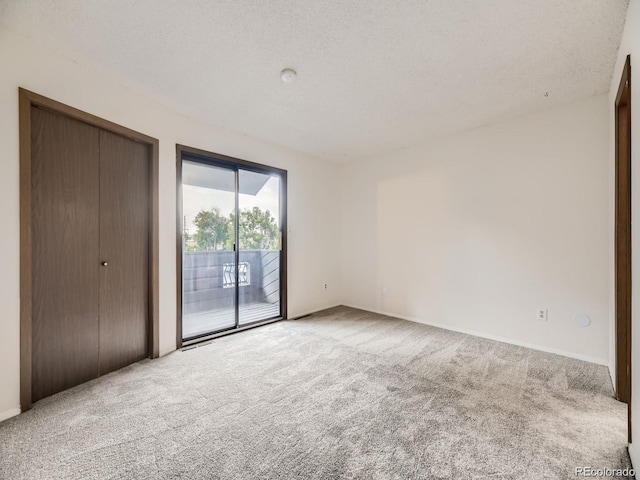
(288, 75)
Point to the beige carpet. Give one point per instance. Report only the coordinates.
(341, 394)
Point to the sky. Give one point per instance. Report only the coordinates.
(195, 199)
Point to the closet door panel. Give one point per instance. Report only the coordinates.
(65, 252)
(124, 251)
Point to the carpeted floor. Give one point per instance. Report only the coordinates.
(341, 394)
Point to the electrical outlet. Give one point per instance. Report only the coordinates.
(384, 291)
(542, 314)
(325, 286)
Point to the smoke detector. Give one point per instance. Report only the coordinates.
(288, 75)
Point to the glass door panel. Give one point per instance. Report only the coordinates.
(208, 253)
(259, 239)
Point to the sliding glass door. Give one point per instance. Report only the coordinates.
(260, 244)
(208, 236)
(231, 244)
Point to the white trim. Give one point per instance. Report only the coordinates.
(612, 369)
(167, 351)
(632, 455)
(564, 353)
(9, 413)
(298, 315)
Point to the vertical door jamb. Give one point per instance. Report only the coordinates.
(623, 274)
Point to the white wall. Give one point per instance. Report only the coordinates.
(312, 197)
(476, 231)
(473, 232)
(630, 45)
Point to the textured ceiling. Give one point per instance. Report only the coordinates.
(373, 75)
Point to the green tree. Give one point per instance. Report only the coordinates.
(258, 230)
(212, 229)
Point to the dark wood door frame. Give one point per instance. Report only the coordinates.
(28, 99)
(231, 162)
(623, 238)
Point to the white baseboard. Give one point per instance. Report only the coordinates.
(632, 456)
(166, 351)
(612, 370)
(297, 315)
(564, 353)
(9, 413)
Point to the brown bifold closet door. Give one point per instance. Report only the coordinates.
(124, 251)
(90, 251)
(65, 181)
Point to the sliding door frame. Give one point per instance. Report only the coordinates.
(26, 100)
(219, 160)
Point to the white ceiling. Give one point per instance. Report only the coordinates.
(373, 75)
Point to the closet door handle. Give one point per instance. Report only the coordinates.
(104, 264)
